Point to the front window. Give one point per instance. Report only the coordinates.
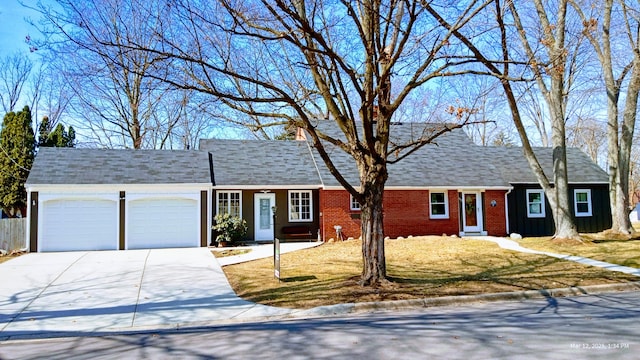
(535, 203)
(229, 202)
(300, 205)
(438, 203)
(355, 205)
(582, 202)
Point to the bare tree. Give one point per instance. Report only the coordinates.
(590, 135)
(546, 58)
(50, 95)
(118, 99)
(579, 77)
(15, 71)
(534, 110)
(479, 94)
(552, 70)
(292, 63)
(612, 29)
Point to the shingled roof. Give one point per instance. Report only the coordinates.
(447, 162)
(514, 167)
(261, 163)
(109, 166)
(452, 161)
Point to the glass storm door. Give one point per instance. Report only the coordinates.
(472, 212)
(263, 223)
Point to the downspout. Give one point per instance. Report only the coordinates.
(28, 219)
(211, 200)
(506, 209)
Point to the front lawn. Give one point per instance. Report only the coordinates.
(418, 267)
(229, 252)
(621, 250)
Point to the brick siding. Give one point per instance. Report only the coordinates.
(406, 212)
(495, 216)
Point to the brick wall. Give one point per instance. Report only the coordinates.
(406, 212)
(495, 216)
(335, 209)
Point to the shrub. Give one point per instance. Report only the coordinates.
(229, 228)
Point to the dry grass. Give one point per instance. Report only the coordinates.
(604, 246)
(417, 267)
(229, 252)
(10, 256)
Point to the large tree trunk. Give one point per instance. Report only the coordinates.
(619, 146)
(374, 268)
(620, 213)
(613, 147)
(565, 225)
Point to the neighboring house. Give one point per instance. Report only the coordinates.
(91, 199)
(123, 199)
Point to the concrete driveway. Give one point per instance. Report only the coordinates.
(104, 291)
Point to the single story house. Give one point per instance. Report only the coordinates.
(88, 199)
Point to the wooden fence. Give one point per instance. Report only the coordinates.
(13, 234)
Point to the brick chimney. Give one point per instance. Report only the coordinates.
(300, 135)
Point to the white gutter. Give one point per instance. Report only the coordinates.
(506, 209)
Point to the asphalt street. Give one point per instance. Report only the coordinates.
(580, 327)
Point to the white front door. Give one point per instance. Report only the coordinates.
(263, 223)
(471, 212)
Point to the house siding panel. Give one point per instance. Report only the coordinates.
(521, 224)
(282, 215)
(600, 206)
(518, 220)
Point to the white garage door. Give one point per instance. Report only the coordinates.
(162, 223)
(68, 225)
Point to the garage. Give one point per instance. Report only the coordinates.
(78, 224)
(108, 199)
(165, 222)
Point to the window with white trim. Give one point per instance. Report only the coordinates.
(300, 206)
(535, 203)
(439, 205)
(354, 205)
(229, 202)
(582, 202)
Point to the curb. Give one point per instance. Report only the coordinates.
(343, 309)
(351, 308)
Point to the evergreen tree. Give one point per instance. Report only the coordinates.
(43, 131)
(59, 137)
(17, 151)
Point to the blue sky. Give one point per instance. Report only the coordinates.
(13, 27)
